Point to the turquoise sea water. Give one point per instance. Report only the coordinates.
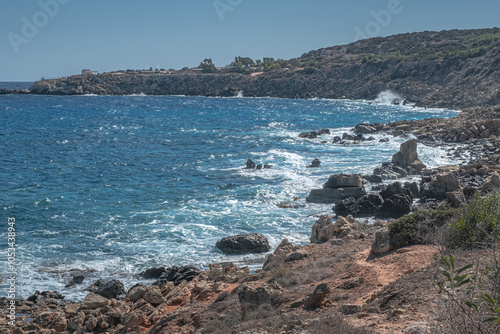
(114, 185)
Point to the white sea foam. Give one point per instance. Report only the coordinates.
(388, 97)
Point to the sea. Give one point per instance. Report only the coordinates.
(109, 186)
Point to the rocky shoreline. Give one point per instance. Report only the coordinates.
(351, 275)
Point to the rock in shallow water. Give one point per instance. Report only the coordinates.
(406, 155)
(244, 243)
(112, 289)
(76, 280)
(154, 272)
(250, 164)
(315, 164)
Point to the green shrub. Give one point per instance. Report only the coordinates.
(478, 223)
(419, 227)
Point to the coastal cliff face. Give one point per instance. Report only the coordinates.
(457, 69)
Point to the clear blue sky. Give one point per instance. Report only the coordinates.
(107, 35)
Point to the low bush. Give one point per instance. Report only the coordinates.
(477, 225)
(420, 227)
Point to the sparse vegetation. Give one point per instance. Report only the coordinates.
(472, 306)
(334, 323)
(421, 226)
(474, 226)
(478, 223)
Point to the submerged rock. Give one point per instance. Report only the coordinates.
(244, 243)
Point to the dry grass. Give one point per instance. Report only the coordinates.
(335, 324)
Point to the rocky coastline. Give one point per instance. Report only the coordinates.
(352, 275)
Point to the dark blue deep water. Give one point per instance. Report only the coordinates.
(114, 185)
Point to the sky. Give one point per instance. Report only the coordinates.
(54, 38)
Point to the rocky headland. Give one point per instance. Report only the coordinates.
(453, 69)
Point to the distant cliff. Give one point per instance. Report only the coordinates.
(457, 68)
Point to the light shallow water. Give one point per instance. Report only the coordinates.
(115, 185)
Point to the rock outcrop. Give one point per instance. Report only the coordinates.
(404, 163)
(177, 275)
(324, 229)
(337, 188)
(112, 289)
(440, 184)
(382, 243)
(367, 205)
(407, 154)
(317, 298)
(244, 243)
